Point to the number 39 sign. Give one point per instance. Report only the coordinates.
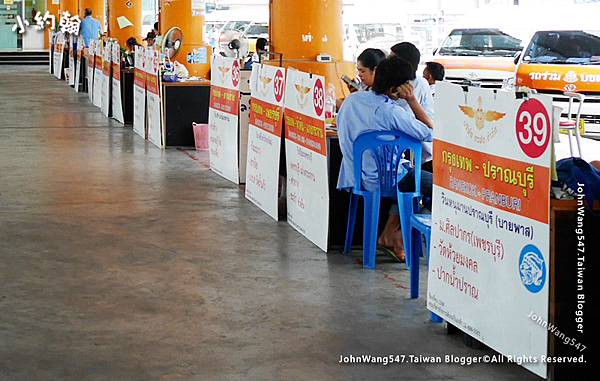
(533, 128)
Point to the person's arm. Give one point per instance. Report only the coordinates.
(406, 92)
(397, 118)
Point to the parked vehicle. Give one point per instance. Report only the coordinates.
(483, 56)
(557, 61)
(481, 45)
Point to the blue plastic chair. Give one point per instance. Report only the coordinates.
(418, 225)
(387, 148)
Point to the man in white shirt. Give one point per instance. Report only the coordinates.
(433, 72)
(392, 235)
(421, 90)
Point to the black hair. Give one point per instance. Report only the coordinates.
(261, 43)
(156, 26)
(392, 72)
(436, 70)
(150, 36)
(87, 12)
(370, 58)
(409, 52)
(131, 41)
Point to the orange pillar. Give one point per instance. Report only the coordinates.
(97, 7)
(132, 10)
(301, 30)
(54, 10)
(180, 14)
(68, 5)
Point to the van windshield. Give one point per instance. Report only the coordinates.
(480, 42)
(564, 47)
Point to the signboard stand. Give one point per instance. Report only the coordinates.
(489, 257)
(306, 156)
(98, 76)
(91, 64)
(139, 93)
(72, 60)
(79, 64)
(117, 104)
(59, 48)
(153, 104)
(223, 117)
(52, 39)
(106, 79)
(267, 86)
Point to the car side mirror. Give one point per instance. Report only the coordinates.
(517, 57)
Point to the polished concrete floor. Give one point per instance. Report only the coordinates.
(119, 261)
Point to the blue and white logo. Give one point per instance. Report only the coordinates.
(532, 268)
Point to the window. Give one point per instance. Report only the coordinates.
(478, 42)
(564, 47)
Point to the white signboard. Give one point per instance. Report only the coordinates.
(72, 60)
(244, 121)
(264, 137)
(59, 48)
(223, 117)
(98, 76)
(153, 105)
(117, 104)
(139, 93)
(90, 67)
(306, 156)
(489, 258)
(52, 40)
(106, 78)
(79, 64)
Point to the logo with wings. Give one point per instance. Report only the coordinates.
(301, 93)
(480, 115)
(223, 70)
(263, 86)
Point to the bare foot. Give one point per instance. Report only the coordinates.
(398, 245)
(392, 225)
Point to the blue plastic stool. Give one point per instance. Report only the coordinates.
(387, 148)
(420, 225)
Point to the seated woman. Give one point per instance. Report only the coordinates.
(376, 110)
(366, 63)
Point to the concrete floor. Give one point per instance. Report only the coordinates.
(123, 262)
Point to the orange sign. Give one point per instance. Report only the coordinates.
(152, 83)
(116, 71)
(306, 131)
(266, 116)
(106, 67)
(225, 100)
(572, 78)
(139, 78)
(507, 184)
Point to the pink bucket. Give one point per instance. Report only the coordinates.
(201, 136)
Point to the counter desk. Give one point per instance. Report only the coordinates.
(183, 104)
(127, 94)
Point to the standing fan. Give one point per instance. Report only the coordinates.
(233, 45)
(172, 41)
